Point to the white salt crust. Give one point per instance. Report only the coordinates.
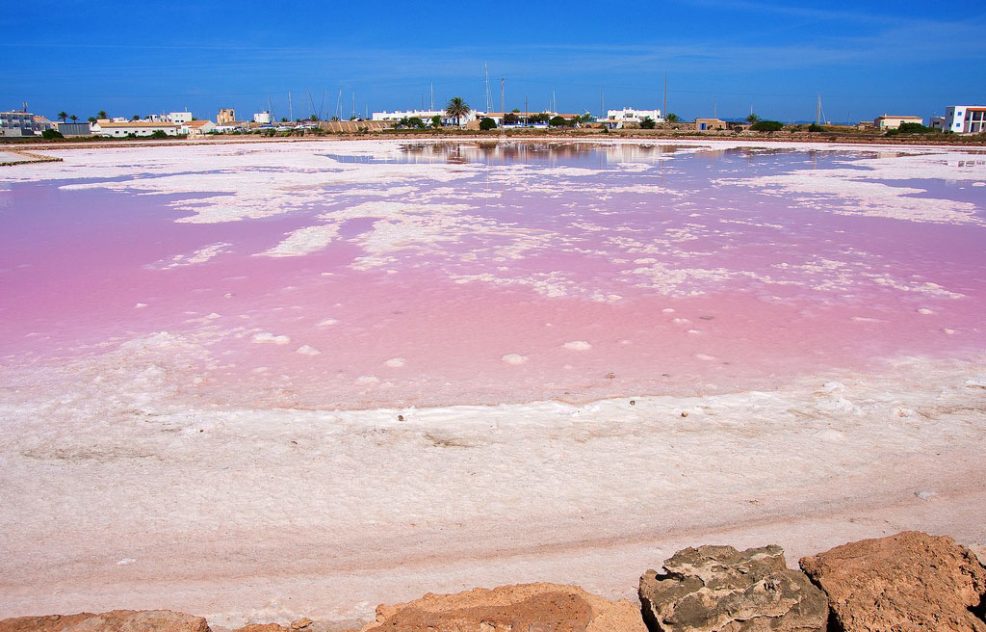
(116, 457)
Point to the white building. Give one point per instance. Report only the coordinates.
(965, 119)
(892, 121)
(123, 129)
(616, 119)
(198, 128)
(180, 117)
(262, 118)
(424, 115)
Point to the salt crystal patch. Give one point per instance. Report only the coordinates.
(308, 350)
(126, 561)
(705, 357)
(694, 332)
(395, 363)
(514, 359)
(668, 310)
(266, 337)
(979, 184)
(681, 321)
(925, 494)
(925, 311)
(577, 345)
(213, 316)
(328, 322)
(140, 305)
(367, 379)
(946, 330)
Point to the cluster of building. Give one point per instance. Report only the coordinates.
(958, 119)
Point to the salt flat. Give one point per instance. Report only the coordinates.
(259, 381)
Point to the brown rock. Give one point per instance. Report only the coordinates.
(720, 589)
(263, 627)
(524, 607)
(301, 624)
(115, 621)
(909, 581)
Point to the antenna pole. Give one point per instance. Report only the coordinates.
(290, 108)
(665, 111)
(502, 106)
(432, 96)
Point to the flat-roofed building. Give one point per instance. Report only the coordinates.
(73, 129)
(262, 118)
(226, 116)
(630, 117)
(965, 119)
(894, 121)
(19, 123)
(709, 124)
(123, 129)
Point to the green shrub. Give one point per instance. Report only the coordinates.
(487, 124)
(51, 134)
(648, 123)
(767, 126)
(159, 134)
(815, 127)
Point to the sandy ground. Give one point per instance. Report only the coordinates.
(265, 515)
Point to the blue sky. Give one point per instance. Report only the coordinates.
(865, 58)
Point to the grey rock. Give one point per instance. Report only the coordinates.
(720, 589)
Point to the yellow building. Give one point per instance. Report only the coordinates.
(890, 121)
(226, 116)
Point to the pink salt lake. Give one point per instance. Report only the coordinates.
(480, 274)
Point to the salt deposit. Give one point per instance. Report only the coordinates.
(303, 378)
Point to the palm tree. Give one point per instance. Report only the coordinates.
(63, 116)
(753, 118)
(74, 118)
(101, 114)
(673, 118)
(457, 108)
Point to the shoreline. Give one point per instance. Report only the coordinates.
(562, 138)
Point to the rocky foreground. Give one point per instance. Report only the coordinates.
(907, 582)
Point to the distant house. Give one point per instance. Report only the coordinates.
(123, 129)
(19, 123)
(226, 116)
(891, 121)
(73, 129)
(965, 119)
(198, 128)
(629, 117)
(262, 118)
(709, 124)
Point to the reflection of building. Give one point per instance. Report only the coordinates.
(630, 117)
(226, 116)
(708, 124)
(889, 121)
(965, 119)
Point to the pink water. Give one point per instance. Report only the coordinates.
(698, 287)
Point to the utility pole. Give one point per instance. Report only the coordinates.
(290, 108)
(665, 110)
(432, 96)
(818, 111)
(502, 102)
(527, 118)
(602, 103)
